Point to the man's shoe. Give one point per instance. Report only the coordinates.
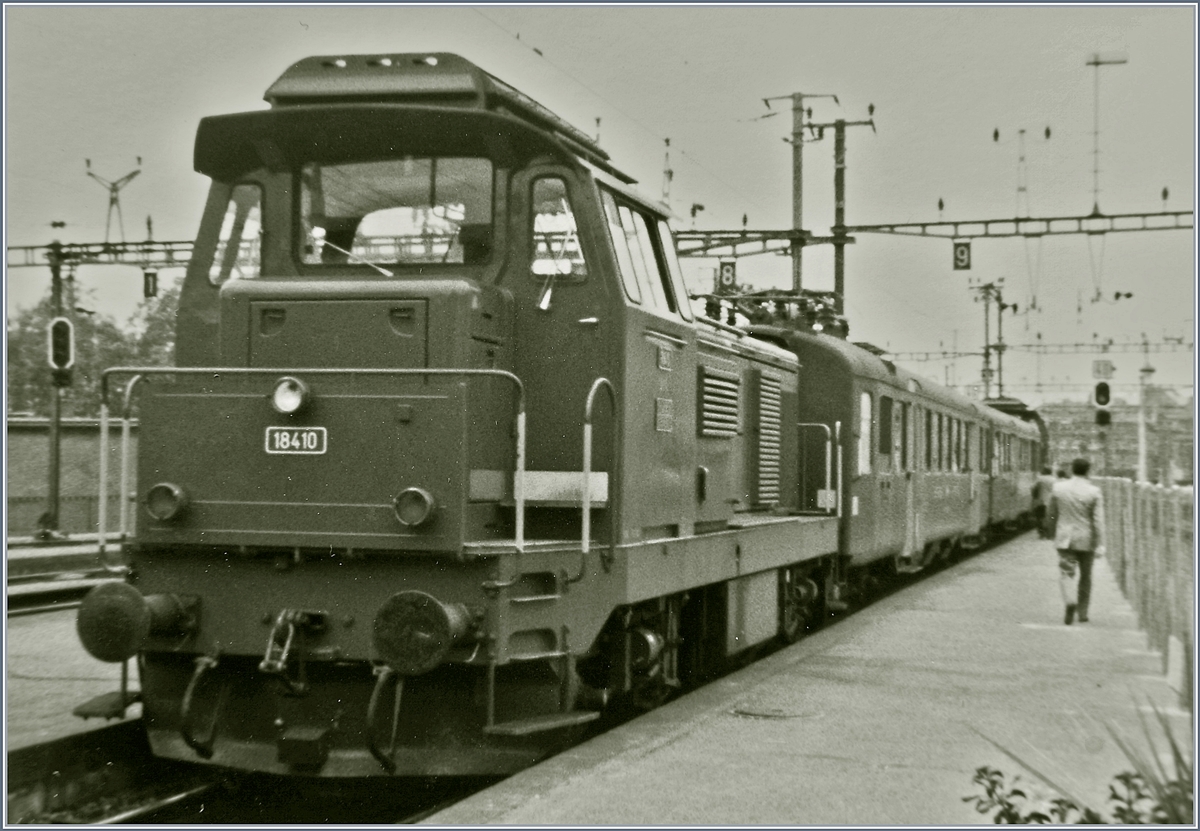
(1069, 618)
(1083, 618)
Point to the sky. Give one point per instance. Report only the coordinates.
(114, 83)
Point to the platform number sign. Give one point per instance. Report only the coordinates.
(726, 277)
(962, 256)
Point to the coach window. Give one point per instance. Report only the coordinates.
(941, 442)
(905, 457)
(958, 429)
(885, 426)
(928, 440)
(864, 433)
(239, 247)
(968, 439)
(555, 238)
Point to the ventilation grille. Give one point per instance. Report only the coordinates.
(719, 396)
(770, 438)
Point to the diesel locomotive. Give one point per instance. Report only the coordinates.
(447, 466)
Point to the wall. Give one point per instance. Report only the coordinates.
(28, 459)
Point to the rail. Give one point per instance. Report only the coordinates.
(1150, 549)
(142, 373)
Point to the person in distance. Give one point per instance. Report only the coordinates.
(1077, 514)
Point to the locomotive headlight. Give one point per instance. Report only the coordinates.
(289, 396)
(414, 507)
(166, 501)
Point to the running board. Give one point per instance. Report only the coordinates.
(541, 724)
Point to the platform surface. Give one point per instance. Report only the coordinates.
(879, 719)
(47, 675)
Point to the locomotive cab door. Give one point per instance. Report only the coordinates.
(566, 335)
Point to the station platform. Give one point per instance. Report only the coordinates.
(879, 719)
(47, 671)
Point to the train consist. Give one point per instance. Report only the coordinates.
(448, 465)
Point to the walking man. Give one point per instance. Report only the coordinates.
(1077, 511)
(1041, 503)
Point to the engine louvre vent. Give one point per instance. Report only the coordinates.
(770, 439)
(720, 396)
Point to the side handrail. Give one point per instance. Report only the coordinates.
(586, 541)
(142, 373)
(841, 473)
(828, 453)
(122, 505)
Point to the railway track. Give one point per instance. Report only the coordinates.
(108, 777)
(54, 592)
(50, 577)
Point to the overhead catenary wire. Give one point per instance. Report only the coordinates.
(656, 134)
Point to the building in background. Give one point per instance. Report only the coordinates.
(1113, 450)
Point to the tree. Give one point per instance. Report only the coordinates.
(146, 339)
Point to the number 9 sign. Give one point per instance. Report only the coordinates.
(962, 256)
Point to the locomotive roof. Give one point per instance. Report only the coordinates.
(864, 364)
(432, 78)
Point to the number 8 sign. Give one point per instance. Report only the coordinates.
(728, 275)
(962, 256)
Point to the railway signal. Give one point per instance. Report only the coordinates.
(1101, 397)
(61, 348)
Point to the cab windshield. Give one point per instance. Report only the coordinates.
(406, 211)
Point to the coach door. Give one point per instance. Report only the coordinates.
(891, 532)
(907, 465)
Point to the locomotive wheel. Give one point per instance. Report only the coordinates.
(650, 694)
(801, 603)
(793, 613)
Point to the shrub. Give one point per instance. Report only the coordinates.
(1149, 794)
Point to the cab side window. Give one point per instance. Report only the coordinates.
(641, 257)
(239, 247)
(555, 237)
(667, 243)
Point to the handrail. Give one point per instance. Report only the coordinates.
(841, 474)
(828, 453)
(138, 372)
(125, 414)
(586, 541)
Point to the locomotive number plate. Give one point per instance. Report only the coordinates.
(302, 440)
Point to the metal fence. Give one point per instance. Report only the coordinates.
(1151, 552)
